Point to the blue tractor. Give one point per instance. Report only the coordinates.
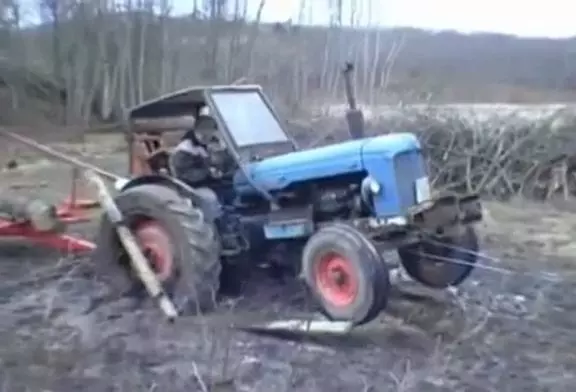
(325, 214)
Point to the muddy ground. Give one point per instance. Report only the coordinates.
(502, 331)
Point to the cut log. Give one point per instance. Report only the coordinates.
(42, 216)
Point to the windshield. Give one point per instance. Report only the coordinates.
(248, 118)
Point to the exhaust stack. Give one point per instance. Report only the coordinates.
(354, 116)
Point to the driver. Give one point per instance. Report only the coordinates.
(191, 157)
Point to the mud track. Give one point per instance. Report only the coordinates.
(500, 332)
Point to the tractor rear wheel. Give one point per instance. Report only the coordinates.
(346, 274)
(441, 262)
(181, 244)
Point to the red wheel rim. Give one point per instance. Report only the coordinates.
(336, 280)
(156, 246)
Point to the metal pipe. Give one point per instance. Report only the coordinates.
(59, 156)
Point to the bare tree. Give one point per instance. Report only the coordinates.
(107, 55)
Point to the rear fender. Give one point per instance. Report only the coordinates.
(156, 179)
(204, 198)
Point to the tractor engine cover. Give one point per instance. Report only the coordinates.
(393, 162)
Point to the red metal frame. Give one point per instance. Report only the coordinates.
(142, 148)
(71, 211)
(57, 241)
(73, 205)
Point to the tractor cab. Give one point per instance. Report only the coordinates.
(249, 120)
(231, 123)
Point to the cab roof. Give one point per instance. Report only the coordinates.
(183, 102)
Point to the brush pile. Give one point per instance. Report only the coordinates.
(500, 156)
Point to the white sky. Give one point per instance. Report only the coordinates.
(530, 18)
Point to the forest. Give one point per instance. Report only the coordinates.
(85, 61)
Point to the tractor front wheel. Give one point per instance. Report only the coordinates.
(346, 274)
(441, 262)
(181, 245)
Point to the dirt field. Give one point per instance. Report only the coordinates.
(500, 332)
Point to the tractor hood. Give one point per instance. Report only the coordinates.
(323, 162)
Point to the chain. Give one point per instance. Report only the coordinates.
(547, 276)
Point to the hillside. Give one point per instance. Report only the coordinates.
(488, 67)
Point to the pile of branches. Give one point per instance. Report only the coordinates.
(501, 157)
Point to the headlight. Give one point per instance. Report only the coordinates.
(422, 189)
(374, 186)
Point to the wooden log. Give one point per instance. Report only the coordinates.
(137, 259)
(41, 215)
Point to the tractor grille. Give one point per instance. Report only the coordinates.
(408, 167)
